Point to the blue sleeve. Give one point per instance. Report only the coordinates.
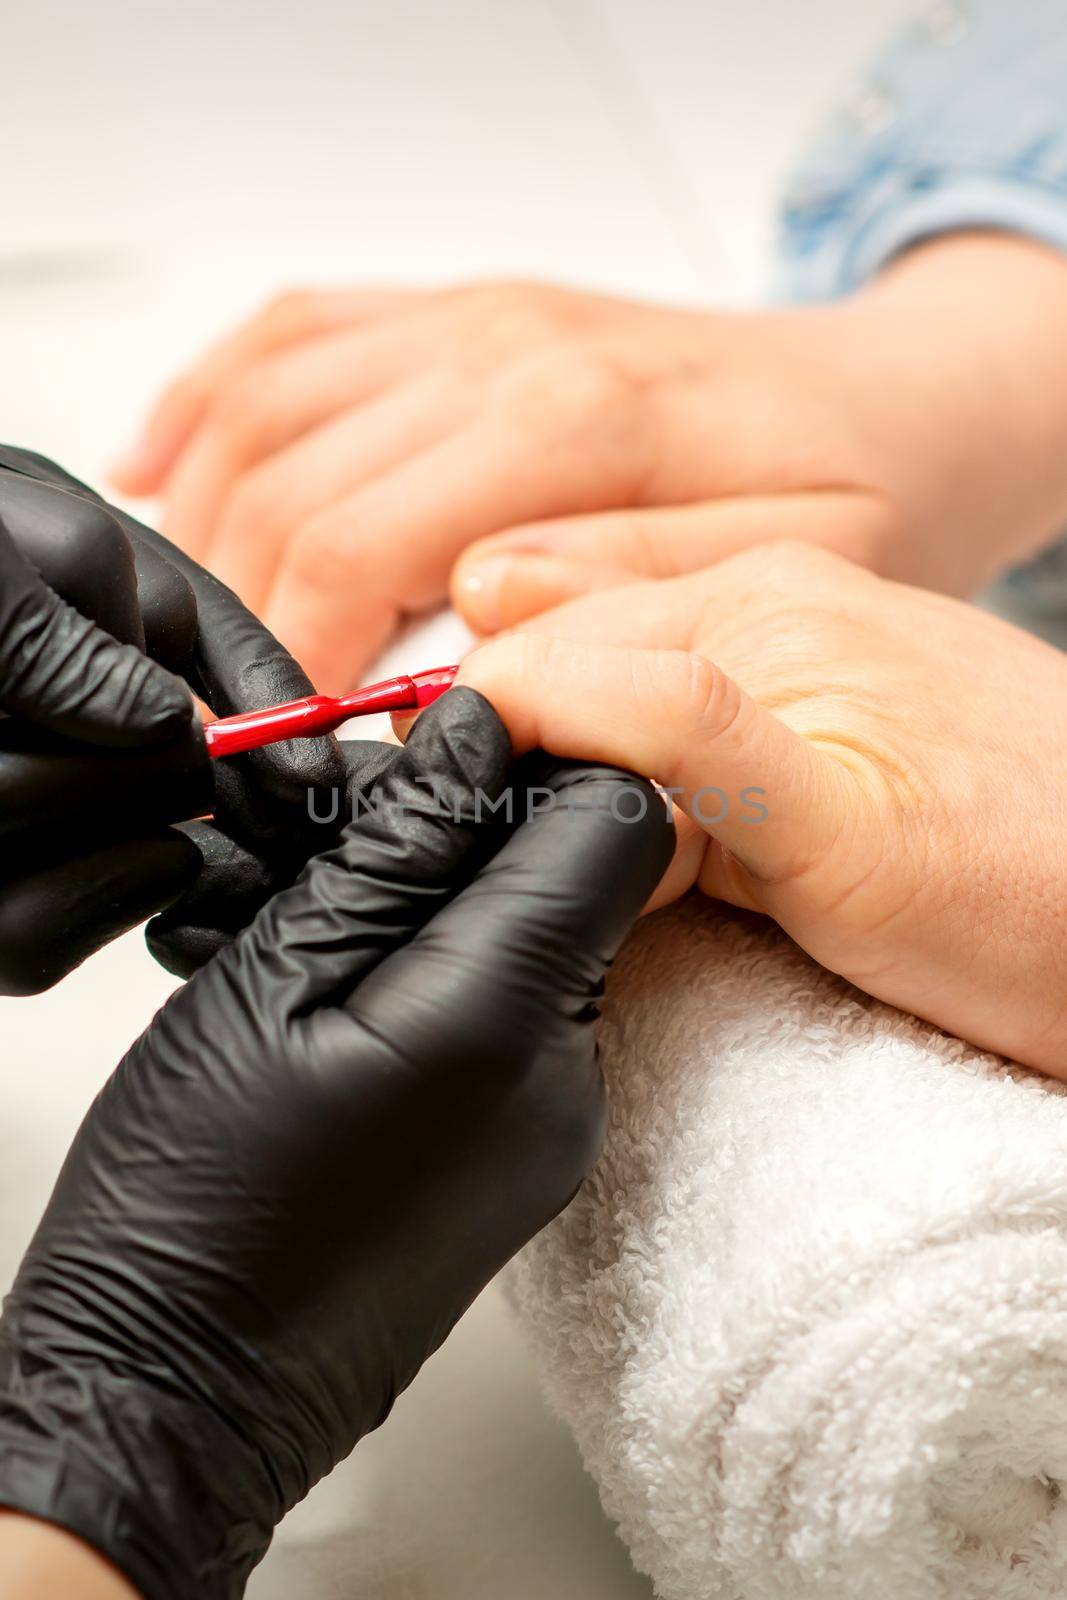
(961, 123)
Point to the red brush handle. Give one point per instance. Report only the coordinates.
(318, 714)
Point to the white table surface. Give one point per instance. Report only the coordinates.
(165, 167)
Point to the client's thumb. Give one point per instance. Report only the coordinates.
(768, 796)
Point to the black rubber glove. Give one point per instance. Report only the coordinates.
(319, 1153)
(83, 855)
(62, 679)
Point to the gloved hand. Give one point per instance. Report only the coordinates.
(319, 1153)
(102, 748)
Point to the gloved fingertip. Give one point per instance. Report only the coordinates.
(156, 709)
(92, 898)
(166, 714)
(231, 885)
(465, 726)
(182, 947)
(601, 815)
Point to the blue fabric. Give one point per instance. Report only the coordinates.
(961, 123)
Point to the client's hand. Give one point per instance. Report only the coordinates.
(319, 1153)
(101, 748)
(880, 769)
(333, 458)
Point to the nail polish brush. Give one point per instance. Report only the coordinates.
(318, 714)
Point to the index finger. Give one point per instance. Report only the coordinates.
(287, 320)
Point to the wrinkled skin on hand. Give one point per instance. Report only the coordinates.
(905, 752)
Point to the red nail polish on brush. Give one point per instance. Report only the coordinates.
(317, 714)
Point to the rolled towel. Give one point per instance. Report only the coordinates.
(808, 1318)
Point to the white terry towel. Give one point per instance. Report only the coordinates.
(808, 1318)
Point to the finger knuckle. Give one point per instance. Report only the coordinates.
(510, 317)
(707, 701)
(567, 382)
(542, 657)
(242, 412)
(313, 545)
(791, 562)
(93, 537)
(512, 658)
(505, 657)
(649, 552)
(326, 556)
(253, 504)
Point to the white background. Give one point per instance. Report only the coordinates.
(164, 167)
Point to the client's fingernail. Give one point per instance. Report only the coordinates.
(479, 589)
(403, 722)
